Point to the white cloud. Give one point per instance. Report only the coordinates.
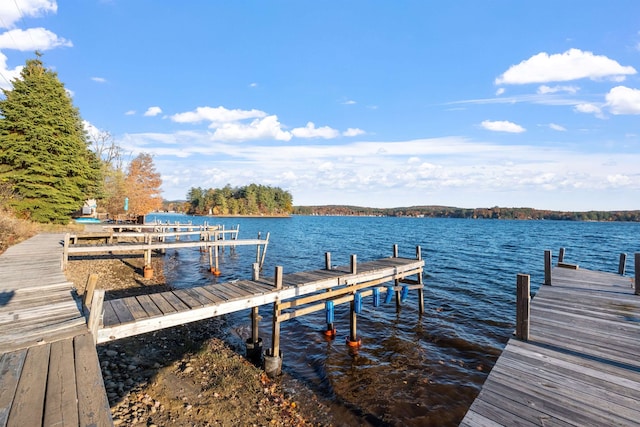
(8, 75)
(32, 39)
(153, 111)
(311, 131)
(571, 65)
(262, 128)
(623, 100)
(353, 132)
(12, 11)
(130, 113)
(217, 115)
(557, 127)
(91, 130)
(349, 102)
(253, 84)
(544, 89)
(99, 79)
(502, 126)
(500, 91)
(589, 109)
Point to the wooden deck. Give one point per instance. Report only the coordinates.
(580, 365)
(49, 369)
(135, 315)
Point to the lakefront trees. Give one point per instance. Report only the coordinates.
(143, 186)
(252, 199)
(44, 154)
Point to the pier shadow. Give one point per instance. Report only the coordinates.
(5, 297)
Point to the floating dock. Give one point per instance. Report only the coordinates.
(575, 360)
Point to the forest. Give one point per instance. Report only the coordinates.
(253, 199)
(476, 213)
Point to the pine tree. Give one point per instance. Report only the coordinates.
(44, 154)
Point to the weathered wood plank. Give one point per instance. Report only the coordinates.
(93, 406)
(28, 403)
(122, 311)
(149, 305)
(160, 301)
(61, 398)
(10, 370)
(134, 307)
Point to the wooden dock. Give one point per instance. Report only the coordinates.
(49, 370)
(580, 364)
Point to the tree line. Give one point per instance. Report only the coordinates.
(253, 199)
(49, 166)
(476, 213)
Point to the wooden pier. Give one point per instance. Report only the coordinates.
(49, 370)
(575, 360)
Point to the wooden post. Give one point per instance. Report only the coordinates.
(354, 264)
(92, 281)
(561, 256)
(396, 285)
(353, 338)
(255, 316)
(523, 304)
(256, 271)
(622, 264)
(327, 260)
(547, 267)
(421, 290)
(65, 252)
(275, 345)
(95, 316)
(264, 249)
(258, 249)
(636, 266)
(395, 251)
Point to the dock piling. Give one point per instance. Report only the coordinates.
(547, 267)
(622, 264)
(421, 289)
(273, 357)
(523, 304)
(636, 266)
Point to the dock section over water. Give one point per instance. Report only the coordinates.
(580, 364)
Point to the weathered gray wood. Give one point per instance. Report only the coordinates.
(61, 398)
(547, 267)
(580, 365)
(10, 370)
(149, 306)
(93, 406)
(622, 264)
(28, 403)
(523, 298)
(636, 266)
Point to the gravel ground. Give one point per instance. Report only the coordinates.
(186, 375)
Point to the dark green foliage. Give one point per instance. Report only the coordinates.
(477, 213)
(44, 154)
(249, 200)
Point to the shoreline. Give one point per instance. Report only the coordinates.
(186, 375)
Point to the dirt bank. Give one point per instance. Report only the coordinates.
(186, 375)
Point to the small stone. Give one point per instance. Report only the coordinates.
(111, 353)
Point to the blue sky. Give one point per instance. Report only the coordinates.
(371, 103)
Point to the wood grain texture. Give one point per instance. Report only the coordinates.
(580, 364)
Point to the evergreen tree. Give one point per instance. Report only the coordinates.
(44, 154)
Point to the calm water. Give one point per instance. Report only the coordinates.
(410, 370)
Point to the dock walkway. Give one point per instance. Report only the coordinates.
(140, 314)
(580, 365)
(49, 369)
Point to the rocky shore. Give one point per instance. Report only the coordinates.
(186, 375)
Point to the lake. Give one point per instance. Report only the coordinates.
(411, 370)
